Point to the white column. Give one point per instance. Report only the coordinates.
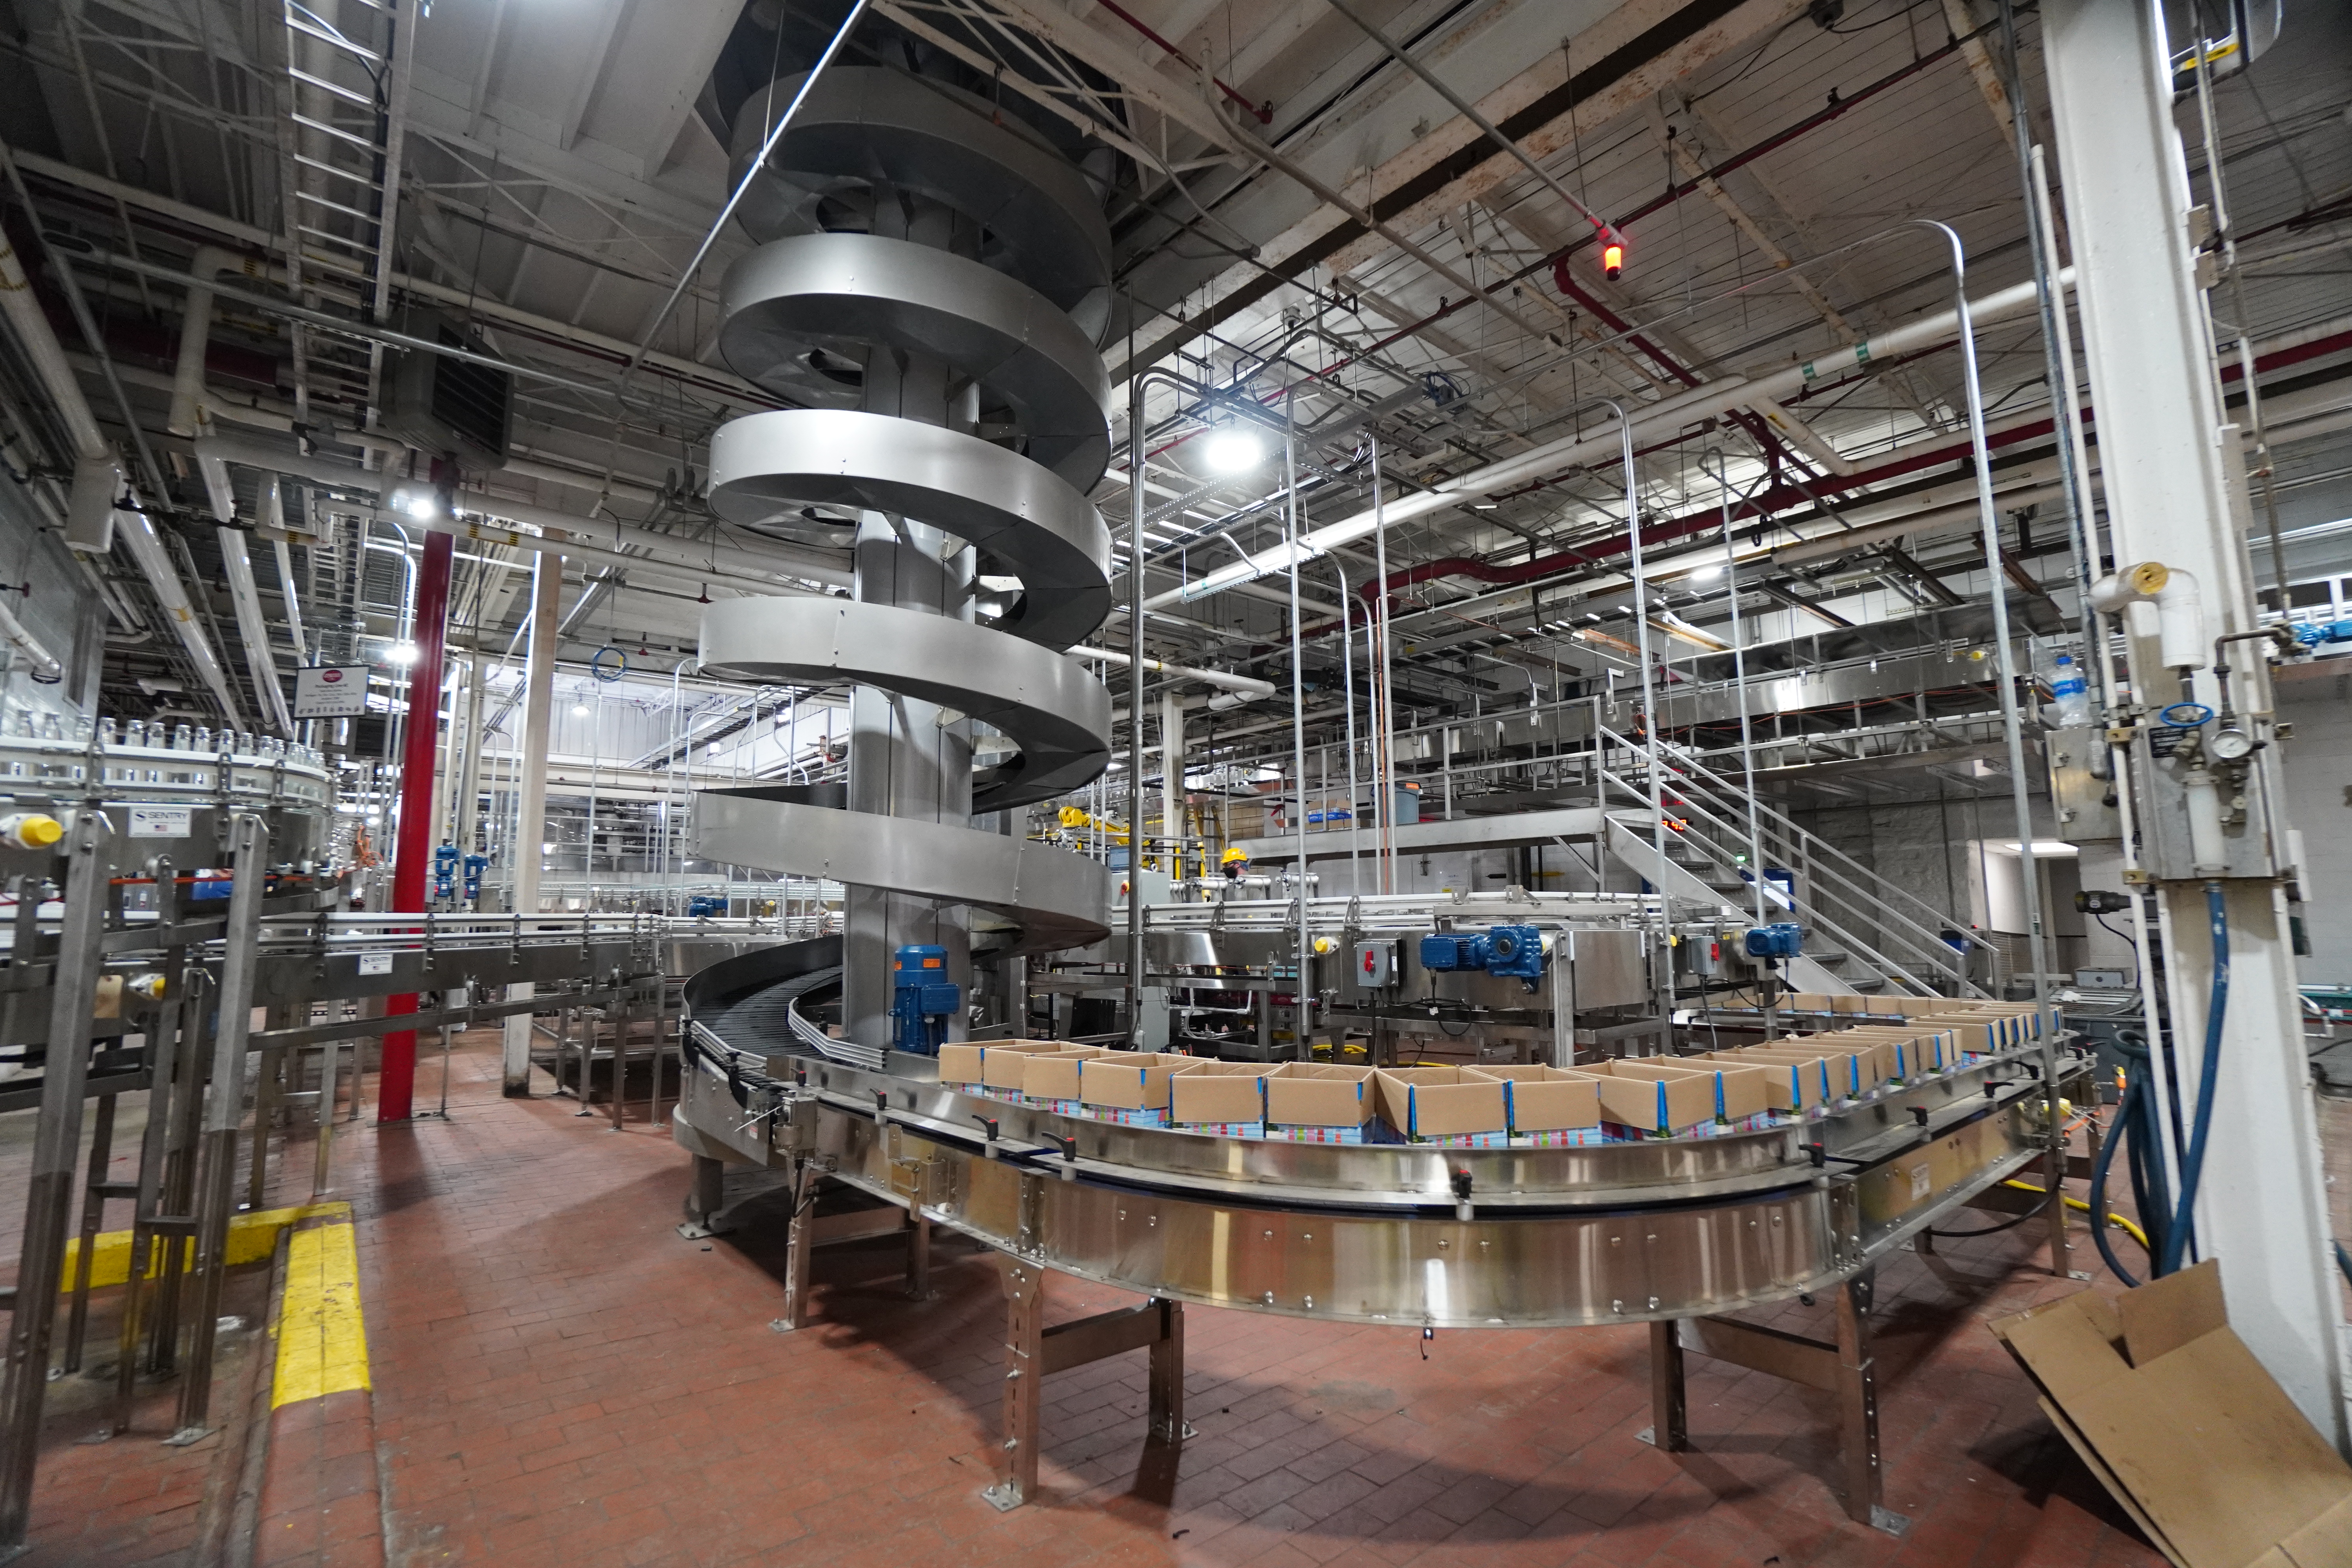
(530, 825)
(2175, 494)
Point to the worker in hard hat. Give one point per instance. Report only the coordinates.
(1234, 863)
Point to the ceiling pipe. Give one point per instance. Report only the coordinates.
(96, 459)
(1247, 684)
(1709, 400)
(2286, 349)
(253, 627)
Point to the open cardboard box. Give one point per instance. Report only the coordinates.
(962, 1061)
(1128, 1081)
(1217, 1094)
(1742, 1093)
(1656, 1100)
(1007, 1072)
(1428, 1104)
(2179, 1420)
(1318, 1094)
(1794, 1080)
(1537, 1099)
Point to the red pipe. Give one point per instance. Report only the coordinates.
(1263, 116)
(412, 848)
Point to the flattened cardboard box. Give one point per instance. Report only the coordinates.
(1217, 1091)
(1318, 1094)
(2175, 1416)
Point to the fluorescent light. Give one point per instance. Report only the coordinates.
(403, 653)
(418, 503)
(1708, 573)
(580, 710)
(1232, 450)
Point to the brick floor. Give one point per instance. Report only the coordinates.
(561, 1379)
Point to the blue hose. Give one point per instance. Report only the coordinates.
(2125, 1125)
(2192, 1167)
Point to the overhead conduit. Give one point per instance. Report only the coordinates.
(95, 460)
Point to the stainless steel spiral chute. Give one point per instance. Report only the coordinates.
(932, 277)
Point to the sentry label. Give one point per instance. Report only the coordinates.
(162, 821)
(376, 963)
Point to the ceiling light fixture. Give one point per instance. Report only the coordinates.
(401, 654)
(1231, 450)
(1708, 573)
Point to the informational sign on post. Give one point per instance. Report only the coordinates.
(331, 691)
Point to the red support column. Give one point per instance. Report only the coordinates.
(413, 848)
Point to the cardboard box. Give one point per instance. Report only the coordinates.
(1007, 1072)
(1797, 1083)
(1656, 1100)
(1128, 1081)
(1742, 1092)
(961, 1062)
(1428, 1104)
(1546, 1099)
(1317, 1094)
(1847, 1073)
(2177, 1418)
(1222, 1093)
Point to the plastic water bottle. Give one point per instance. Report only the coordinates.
(2071, 694)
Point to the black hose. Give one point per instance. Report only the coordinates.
(1995, 1229)
(2209, 1072)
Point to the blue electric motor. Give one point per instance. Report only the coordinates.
(445, 870)
(1783, 939)
(475, 863)
(922, 999)
(1514, 953)
(704, 904)
(1450, 951)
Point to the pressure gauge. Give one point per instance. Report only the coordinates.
(2230, 745)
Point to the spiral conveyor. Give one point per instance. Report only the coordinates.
(931, 281)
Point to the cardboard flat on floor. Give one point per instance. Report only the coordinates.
(961, 1061)
(1217, 1091)
(1546, 1099)
(1440, 1102)
(2187, 1426)
(1004, 1070)
(1128, 1081)
(1740, 1092)
(1319, 1094)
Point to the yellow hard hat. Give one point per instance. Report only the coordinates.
(1230, 856)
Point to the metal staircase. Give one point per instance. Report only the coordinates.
(1868, 921)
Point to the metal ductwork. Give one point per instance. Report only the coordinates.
(907, 340)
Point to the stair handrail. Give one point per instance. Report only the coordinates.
(1888, 968)
(1826, 858)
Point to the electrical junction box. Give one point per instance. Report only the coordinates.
(1376, 964)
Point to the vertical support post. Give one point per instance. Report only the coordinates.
(530, 814)
(48, 1198)
(2054, 1177)
(413, 856)
(267, 1094)
(93, 1210)
(180, 1166)
(1167, 1376)
(918, 1254)
(1025, 1378)
(705, 1192)
(2174, 474)
(322, 1157)
(797, 1239)
(1669, 1409)
(163, 1044)
(1858, 1409)
(224, 1108)
(624, 1014)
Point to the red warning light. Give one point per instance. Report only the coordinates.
(1613, 258)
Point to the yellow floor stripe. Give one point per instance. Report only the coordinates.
(321, 1340)
(252, 1237)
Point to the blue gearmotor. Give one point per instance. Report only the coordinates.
(922, 999)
